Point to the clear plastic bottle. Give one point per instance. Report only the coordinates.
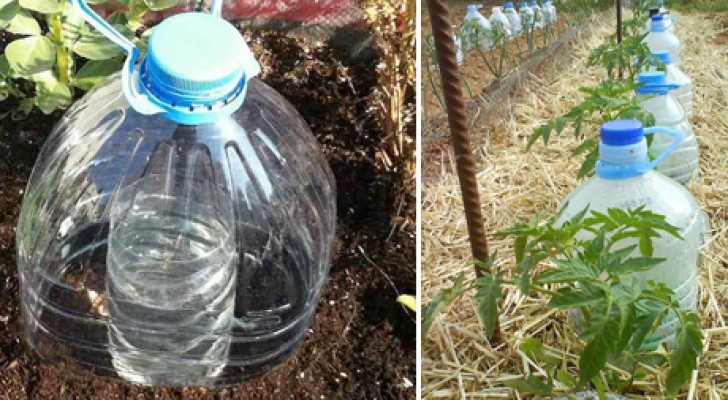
(499, 22)
(528, 19)
(625, 179)
(476, 29)
(178, 226)
(684, 93)
(682, 164)
(551, 11)
(660, 38)
(670, 21)
(539, 17)
(514, 20)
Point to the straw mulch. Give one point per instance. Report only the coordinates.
(458, 362)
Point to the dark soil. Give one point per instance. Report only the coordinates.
(362, 343)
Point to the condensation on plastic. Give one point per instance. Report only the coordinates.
(172, 254)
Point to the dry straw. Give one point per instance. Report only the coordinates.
(458, 361)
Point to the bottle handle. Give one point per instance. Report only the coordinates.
(139, 101)
(671, 132)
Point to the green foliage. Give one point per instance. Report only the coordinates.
(613, 98)
(57, 53)
(609, 101)
(587, 265)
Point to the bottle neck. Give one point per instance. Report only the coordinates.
(623, 161)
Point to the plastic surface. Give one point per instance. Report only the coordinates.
(684, 93)
(661, 39)
(539, 17)
(623, 155)
(549, 12)
(499, 21)
(478, 35)
(514, 20)
(172, 254)
(528, 19)
(682, 165)
(622, 132)
(190, 75)
(664, 196)
(654, 82)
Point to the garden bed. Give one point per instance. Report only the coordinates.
(458, 361)
(362, 343)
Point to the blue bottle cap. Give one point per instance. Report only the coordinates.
(663, 55)
(523, 4)
(195, 67)
(508, 5)
(622, 132)
(472, 8)
(654, 82)
(533, 3)
(657, 23)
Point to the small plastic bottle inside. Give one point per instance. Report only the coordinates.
(660, 38)
(625, 179)
(476, 29)
(682, 164)
(514, 20)
(684, 93)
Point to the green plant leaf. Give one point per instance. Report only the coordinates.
(5, 70)
(649, 315)
(24, 24)
(25, 106)
(572, 298)
(95, 71)
(565, 378)
(51, 94)
(489, 293)
(634, 265)
(95, 46)
(594, 357)
(42, 6)
(72, 23)
(8, 10)
(158, 5)
(683, 358)
(568, 271)
(531, 384)
(31, 55)
(440, 301)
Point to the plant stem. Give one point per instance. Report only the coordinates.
(434, 88)
(63, 60)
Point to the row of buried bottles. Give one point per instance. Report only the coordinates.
(630, 173)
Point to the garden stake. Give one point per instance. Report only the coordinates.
(459, 135)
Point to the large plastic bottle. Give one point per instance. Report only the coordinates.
(660, 38)
(514, 20)
(178, 225)
(539, 17)
(670, 21)
(528, 19)
(550, 9)
(684, 93)
(499, 22)
(625, 179)
(682, 164)
(476, 29)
